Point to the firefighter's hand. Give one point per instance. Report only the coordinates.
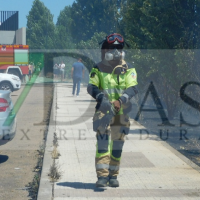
(116, 105)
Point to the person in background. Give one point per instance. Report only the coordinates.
(55, 70)
(77, 73)
(30, 71)
(62, 70)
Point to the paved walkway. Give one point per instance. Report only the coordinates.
(150, 168)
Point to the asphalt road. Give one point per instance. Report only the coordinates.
(18, 158)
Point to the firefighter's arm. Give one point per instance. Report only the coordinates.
(103, 104)
(131, 89)
(94, 82)
(128, 94)
(93, 86)
(93, 90)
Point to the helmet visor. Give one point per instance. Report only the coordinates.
(113, 37)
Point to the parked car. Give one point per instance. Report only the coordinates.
(9, 82)
(7, 117)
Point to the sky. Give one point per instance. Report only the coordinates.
(24, 6)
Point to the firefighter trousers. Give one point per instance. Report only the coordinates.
(110, 144)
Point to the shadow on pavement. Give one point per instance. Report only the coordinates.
(3, 158)
(79, 185)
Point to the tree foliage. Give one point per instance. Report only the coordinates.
(64, 38)
(91, 49)
(93, 16)
(40, 27)
(159, 24)
(165, 34)
(162, 35)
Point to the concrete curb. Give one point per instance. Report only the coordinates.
(45, 187)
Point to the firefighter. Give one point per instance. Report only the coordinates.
(112, 83)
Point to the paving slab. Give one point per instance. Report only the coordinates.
(150, 168)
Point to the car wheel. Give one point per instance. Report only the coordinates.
(6, 86)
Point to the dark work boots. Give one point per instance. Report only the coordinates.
(102, 181)
(113, 182)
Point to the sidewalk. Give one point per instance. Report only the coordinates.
(150, 169)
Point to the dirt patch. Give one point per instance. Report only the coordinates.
(21, 159)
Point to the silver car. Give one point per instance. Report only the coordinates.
(7, 117)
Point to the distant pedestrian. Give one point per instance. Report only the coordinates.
(62, 70)
(55, 70)
(30, 71)
(77, 73)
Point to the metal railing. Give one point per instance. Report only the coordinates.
(9, 20)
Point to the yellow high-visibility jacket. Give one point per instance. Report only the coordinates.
(111, 82)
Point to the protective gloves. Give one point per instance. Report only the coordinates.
(104, 105)
(103, 123)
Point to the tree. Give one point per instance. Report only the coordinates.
(93, 16)
(91, 49)
(64, 38)
(164, 29)
(159, 24)
(40, 27)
